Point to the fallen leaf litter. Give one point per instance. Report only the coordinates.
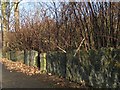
(19, 67)
(30, 70)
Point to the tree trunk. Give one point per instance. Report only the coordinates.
(16, 15)
(5, 25)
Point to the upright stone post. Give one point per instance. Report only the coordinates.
(26, 57)
(43, 62)
(35, 58)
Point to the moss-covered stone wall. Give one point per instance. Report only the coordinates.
(98, 68)
(56, 63)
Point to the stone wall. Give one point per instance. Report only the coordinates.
(19, 56)
(56, 63)
(98, 68)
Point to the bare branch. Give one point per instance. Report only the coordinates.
(79, 47)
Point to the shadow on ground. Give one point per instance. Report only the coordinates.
(13, 79)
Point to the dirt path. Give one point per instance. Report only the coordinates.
(19, 80)
(14, 78)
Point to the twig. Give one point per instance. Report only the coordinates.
(79, 47)
(61, 49)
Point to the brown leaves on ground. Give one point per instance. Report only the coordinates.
(64, 83)
(19, 67)
(30, 70)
